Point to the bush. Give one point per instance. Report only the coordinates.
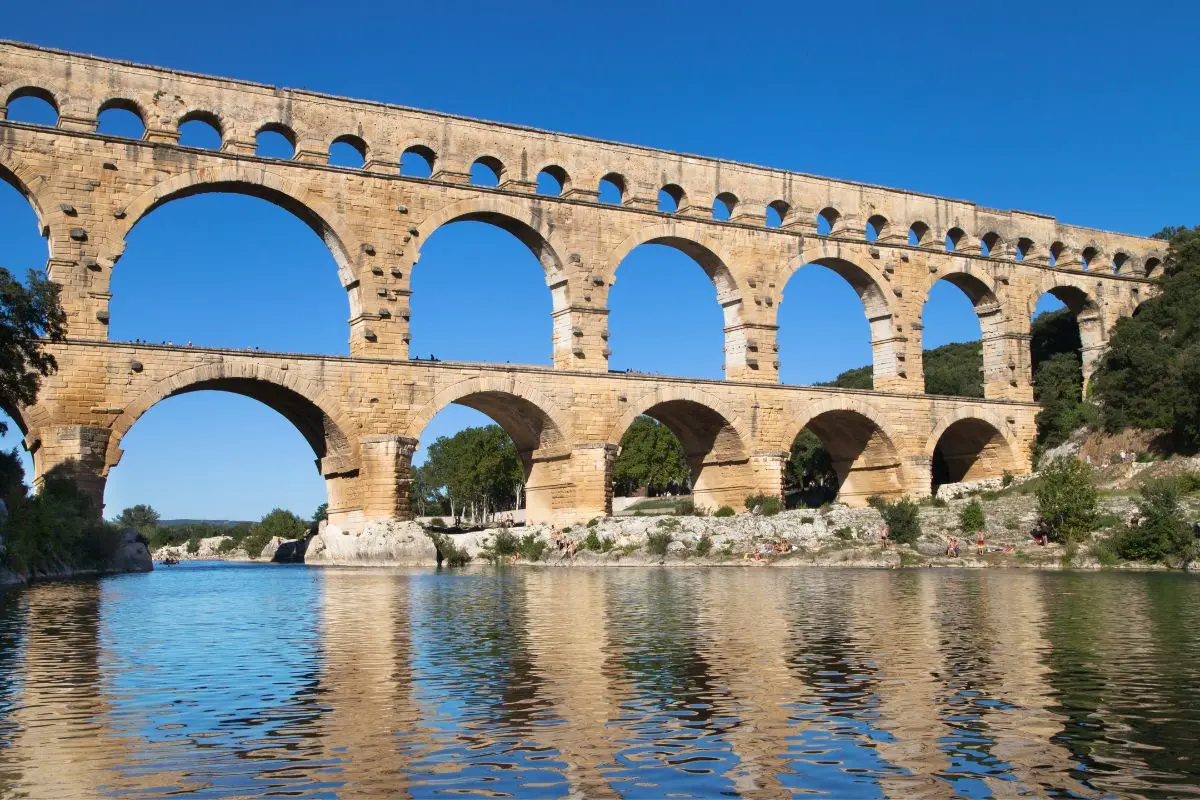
(686, 508)
(768, 505)
(902, 519)
(1066, 499)
(704, 546)
(1007, 479)
(437, 522)
(658, 542)
(845, 534)
(57, 526)
(448, 552)
(1163, 534)
(227, 545)
(597, 544)
(193, 546)
(725, 511)
(593, 522)
(532, 547)
(504, 543)
(970, 519)
(806, 520)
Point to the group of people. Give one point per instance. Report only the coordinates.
(953, 547)
(562, 542)
(768, 549)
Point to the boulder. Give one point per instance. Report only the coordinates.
(382, 543)
(131, 555)
(271, 548)
(290, 552)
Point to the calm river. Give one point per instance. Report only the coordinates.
(216, 680)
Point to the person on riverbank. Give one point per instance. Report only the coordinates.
(884, 536)
(952, 548)
(980, 549)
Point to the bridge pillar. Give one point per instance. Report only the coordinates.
(1006, 371)
(752, 352)
(767, 470)
(581, 338)
(385, 481)
(72, 451)
(729, 483)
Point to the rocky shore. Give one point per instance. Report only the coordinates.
(131, 556)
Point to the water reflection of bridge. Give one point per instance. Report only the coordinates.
(906, 684)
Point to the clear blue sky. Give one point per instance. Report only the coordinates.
(1077, 109)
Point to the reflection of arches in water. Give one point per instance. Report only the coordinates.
(970, 449)
(717, 459)
(862, 457)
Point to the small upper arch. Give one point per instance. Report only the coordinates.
(348, 150)
(671, 198)
(778, 214)
(876, 227)
(1153, 267)
(553, 180)
(275, 140)
(121, 105)
(1121, 263)
(955, 238)
(611, 189)
(418, 161)
(1090, 256)
(1024, 249)
(990, 244)
(39, 96)
(919, 234)
(723, 206)
(827, 220)
(487, 171)
(201, 128)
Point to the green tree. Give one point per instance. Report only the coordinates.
(278, 522)
(971, 519)
(142, 518)
(810, 470)
(650, 457)
(1148, 376)
(479, 469)
(903, 519)
(1066, 499)
(30, 314)
(321, 514)
(1162, 533)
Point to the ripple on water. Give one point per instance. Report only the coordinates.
(219, 680)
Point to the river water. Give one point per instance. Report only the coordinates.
(222, 680)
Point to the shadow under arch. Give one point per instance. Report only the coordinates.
(861, 449)
(252, 181)
(717, 454)
(536, 425)
(845, 262)
(968, 446)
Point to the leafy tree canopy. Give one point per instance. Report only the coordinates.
(142, 518)
(1149, 375)
(29, 313)
(476, 467)
(651, 457)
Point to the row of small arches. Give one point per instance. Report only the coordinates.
(203, 129)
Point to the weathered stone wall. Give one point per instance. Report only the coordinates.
(363, 414)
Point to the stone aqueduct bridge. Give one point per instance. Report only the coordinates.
(363, 413)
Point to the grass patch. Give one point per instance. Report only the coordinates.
(658, 542)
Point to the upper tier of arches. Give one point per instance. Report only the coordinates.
(79, 87)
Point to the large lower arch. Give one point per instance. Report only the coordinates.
(18, 178)
(716, 451)
(528, 223)
(967, 446)
(887, 356)
(693, 241)
(254, 181)
(1090, 321)
(862, 451)
(535, 425)
(998, 368)
(333, 436)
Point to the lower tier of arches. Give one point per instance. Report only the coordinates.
(364, 419)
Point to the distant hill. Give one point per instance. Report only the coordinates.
(953, 369)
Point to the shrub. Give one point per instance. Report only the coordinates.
(227, 545)
(704, 546)
(845, 534)
(970, 519)
(902, 519)
(687, 508)
(532, 547)
(1007, 479)
(1105, 552)
(658, 542)
(448, 552)
(193, 546)
(437, 522)
(669, 525)
(768, 505)
(725, 511)
(504, 543)
(806, 520)
(1162, 534)
(1066, 499)
(596, 543)
(593, 522)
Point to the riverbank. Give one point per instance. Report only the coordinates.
(131, 556)
(834, 535)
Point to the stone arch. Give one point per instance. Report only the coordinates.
(847, 262)
(19, 177)
(1089, 316)
(989, 310)
(690, 239)
(256, 181)
(331, 433)
(538, 428)
(717, 451)
(861, 444)
(530, 417)
(981, 446)
(520, 218)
